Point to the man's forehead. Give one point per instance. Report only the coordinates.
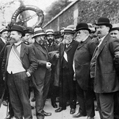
(116, 31)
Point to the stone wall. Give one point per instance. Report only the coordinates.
(88, 11)
(91, 10)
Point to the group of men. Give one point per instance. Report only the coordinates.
(77, 65)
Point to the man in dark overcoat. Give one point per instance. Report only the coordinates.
(104, 68)
(82, 58)
(3, 41)
(67, 84)
(52, 50)
(41, 77)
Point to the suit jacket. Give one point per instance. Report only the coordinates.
(106, 79)
(70, 54)
(41, 55)
(26, 56)
(2, 46)
(82, 60)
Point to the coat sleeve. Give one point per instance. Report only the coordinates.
(4, 62)
(114, 48)
(33, 61)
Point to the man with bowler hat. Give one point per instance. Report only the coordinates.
(104, 67)
(82, 57)
(41, 77)
(17, 66)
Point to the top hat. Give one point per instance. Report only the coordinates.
(38, 32)
(3, 29)
(49, 32)
(82, 26)
(18, 28)
(104, 21)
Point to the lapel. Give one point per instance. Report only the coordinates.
(82, 44)
(103, 44)
(62, 49)
(69, 48)
(1, 42)
(23, 47)
(8, 51)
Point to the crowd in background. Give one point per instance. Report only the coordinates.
(74, 66)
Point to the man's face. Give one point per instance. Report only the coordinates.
(40, 39)
(28, 36)
(102, 30)
(80, 35)
(50, 38)
(15, 36)
(114, 34)
(68, 37)
(5, 35)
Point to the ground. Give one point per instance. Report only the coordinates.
(48, 108)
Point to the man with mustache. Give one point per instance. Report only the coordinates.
(67, 84)
(41, 77)
(104, 68)
(17, 66)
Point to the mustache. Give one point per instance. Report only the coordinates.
(98, 32)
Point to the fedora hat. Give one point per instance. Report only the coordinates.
(38, 32)
(29, 30)
(18, 28)
(69, 29)
(82, 26)
(104, 21)
(3, 29)
(49, 32)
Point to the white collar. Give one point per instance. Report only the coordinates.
(3, 40)
(18, 43)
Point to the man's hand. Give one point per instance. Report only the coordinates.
(28, 74)
(48, 65)
(4, 78)
(74, 78)
(57, 55)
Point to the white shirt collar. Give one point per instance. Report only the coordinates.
(3, 40)
(84, 39)
(18, 43)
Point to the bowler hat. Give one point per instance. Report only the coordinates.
(82, 26)
(38, 32)
(104, 21)
(18, 28)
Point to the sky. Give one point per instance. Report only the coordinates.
(42, 4)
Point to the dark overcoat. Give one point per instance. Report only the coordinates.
(82, 60)
(106, 79)
(41, 55)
